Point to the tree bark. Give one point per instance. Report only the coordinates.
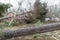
(30, 30)
(4, 18)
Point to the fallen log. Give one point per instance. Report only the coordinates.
(4, 18)
(30, 30)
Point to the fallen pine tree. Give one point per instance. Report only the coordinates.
(6, 34)
(4, 18)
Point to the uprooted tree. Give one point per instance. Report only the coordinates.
(39, 12)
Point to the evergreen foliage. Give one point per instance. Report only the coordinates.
(3, 8)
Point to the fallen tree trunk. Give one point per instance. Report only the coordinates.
(4, 18)
(30, 30)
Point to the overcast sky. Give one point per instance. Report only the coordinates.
(15, 4)
(15, 1)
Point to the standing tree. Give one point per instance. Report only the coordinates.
(40, 10)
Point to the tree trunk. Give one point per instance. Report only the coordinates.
(30, 30)
(4, 18)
